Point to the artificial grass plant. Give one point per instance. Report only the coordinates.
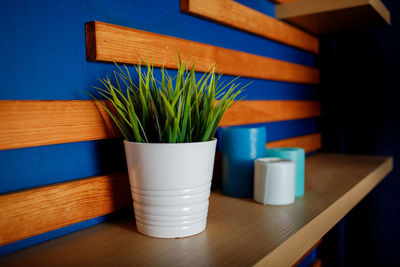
(174, 110)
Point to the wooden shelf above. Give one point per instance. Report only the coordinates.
(239, 232)
(326, 16)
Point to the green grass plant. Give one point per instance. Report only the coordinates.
(176, 109)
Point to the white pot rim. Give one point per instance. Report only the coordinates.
(171, 144)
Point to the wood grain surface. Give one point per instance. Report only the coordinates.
(36, 123)
(333, 15)
(309, 143)
(25, 123)
(233, 14)
(35, 211)
(239, 232)
(108, 42)
(256, 111)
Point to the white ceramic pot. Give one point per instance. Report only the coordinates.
(170, 185)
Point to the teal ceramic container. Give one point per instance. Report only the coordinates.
(296, 155)
(240, 147)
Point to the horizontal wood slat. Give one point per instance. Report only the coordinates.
(35, 211)
(35, 123)
(309, 143)
(233, 14)
(108, 42)
(257, 111)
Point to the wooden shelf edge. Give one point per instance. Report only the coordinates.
(311, 233)
(320, 17)
(382, 10)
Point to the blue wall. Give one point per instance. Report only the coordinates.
(360, 114)
(43, 55)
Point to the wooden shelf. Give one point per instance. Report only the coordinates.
(240, 232)
(326, 16)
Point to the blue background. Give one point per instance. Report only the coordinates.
(43, 58)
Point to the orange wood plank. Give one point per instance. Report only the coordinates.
(257, 111)
(311, 142)
(35, 211)
(107, 42)
(233, 14)
(36, 123)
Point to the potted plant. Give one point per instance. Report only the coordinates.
(169, 126)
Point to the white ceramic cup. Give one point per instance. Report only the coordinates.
(274, 181)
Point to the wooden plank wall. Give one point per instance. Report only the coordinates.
(310, 142)
(109, 43)
(25, 123)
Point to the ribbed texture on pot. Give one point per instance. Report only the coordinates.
(171, 213)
